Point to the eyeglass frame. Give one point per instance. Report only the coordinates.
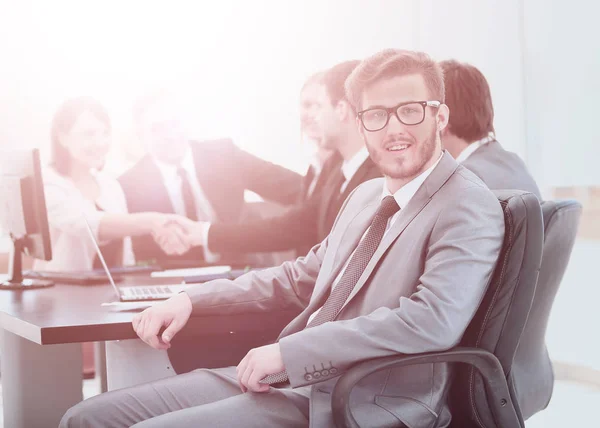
(394, 110)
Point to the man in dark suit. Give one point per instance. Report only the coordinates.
(402, 271)
(203, 181)
(306, 224)
(310, 98)
(469, 136)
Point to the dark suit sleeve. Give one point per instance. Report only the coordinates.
(292, 229)
(270, 181)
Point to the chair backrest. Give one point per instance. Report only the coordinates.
(500, 320)
(531, 376)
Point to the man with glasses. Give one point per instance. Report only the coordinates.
(469, 136)
(203, 181)
(402, 271)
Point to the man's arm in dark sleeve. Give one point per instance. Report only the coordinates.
(272, 182)
(295, 227)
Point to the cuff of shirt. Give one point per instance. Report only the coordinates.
(209, 256)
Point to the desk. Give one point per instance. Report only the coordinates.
(41, 361)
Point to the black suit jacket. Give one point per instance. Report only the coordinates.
(224, 172)
(302, 226)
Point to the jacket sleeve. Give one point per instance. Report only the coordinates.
(288, 285)
(272, 182)
(293, 228)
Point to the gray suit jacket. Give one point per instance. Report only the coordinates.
(417, 294)
(501, 169)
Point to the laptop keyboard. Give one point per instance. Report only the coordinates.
(149, 291)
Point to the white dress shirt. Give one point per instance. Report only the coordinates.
(72, 248)
(172, 182)
(351, 166)
(470, 149)
(402, 197)
(316, 163)
(204, 210)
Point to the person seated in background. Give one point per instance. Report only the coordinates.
(403, 271)
(469, 136)
(309, 102)
(76, 188)
(309, 223)
(203, 181)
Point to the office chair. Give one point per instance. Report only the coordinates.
(483, 392)
(531, 373)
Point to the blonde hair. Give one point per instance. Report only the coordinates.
(392, 63)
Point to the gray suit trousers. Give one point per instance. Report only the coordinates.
(202, 398)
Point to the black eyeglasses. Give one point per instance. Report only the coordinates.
(408, 113)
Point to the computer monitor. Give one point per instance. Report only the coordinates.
(23, 214)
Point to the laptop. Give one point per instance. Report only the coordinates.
(139, 292)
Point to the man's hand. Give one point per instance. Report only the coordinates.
(193, 230)
(258, 363)
(171, 238)
(172, 314)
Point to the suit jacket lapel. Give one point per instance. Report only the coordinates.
(362, 174)
(214, 190)
(307, 181)
(432, 184)
(335, 199)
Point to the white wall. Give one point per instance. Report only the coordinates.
(485, 34)
(562, 51)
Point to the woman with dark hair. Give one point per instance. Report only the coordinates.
(77, 189)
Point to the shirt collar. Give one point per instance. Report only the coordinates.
(470, 149)
(316, 163)
(406, 192)
(169, 170)
(352, 165)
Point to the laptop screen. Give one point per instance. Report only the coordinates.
(101, 257)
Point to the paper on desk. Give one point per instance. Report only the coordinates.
(208, 270)
(129, 306)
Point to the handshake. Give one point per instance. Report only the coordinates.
(176, 234)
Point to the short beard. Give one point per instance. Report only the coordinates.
(425, 153)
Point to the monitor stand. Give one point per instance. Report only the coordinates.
(15, 271)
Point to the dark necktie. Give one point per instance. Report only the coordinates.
(358, 262)
(188, 195)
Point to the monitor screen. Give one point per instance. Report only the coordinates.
(23, 214)
(22, 201)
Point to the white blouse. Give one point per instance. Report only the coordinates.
(72, 247)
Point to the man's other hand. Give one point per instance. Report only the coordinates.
(258, 363)
(172, 314)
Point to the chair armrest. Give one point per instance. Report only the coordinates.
(485, 362)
